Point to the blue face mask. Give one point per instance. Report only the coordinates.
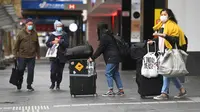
(30, 27)
(59, 29)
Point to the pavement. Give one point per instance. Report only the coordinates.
(45, 100)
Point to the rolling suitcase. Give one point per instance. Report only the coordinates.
(148, 86)
(82, 77)
(83, 85)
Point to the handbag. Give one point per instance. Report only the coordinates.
(14, 78)
(52, 52)
(172, 63)
(149, 64)
(138, 50)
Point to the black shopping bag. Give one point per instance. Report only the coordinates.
(14, 78)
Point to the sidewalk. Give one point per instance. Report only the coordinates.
(43, 96)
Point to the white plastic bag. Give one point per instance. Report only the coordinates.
(149, 64)
(52, 52)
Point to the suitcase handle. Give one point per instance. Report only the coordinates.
(154, 46)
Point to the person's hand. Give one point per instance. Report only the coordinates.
(150, 42)
(38, 57)
(56, 39)
(90, 60)
(159, 34)
(54, 42)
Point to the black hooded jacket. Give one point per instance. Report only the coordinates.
(107, 47)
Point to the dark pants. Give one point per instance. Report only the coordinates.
(30, 63)
(56, 71)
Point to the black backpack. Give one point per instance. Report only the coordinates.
(122, 46)
(184, 47)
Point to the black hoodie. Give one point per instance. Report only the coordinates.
(107, 45)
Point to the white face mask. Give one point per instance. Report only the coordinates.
(163, 18)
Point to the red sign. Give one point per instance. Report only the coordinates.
(71, 6)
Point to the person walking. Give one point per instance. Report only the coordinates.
(167, 35)
(25, 50)
(58, 63)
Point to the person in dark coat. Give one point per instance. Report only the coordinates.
(26, 50)
(110, 52)
(58, 63)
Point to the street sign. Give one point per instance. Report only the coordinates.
(71, 6)
(75, 6)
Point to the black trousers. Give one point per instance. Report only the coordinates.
(30, 63)
(56, 71)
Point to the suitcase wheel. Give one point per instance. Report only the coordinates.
(143, 97)
(95, 94)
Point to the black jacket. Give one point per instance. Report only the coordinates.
(108, 48)
(63, 44)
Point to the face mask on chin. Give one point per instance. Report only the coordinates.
(163, 18)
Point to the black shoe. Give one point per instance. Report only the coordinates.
(30, 88)
(52, 86)
(58, 87)
(19, 86)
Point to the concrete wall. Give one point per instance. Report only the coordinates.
(186, 12)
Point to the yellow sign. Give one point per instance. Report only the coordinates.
(79, 66)
(157, 16)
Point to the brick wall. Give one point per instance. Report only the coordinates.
(92, 34)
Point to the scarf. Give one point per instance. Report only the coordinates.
(171, 29)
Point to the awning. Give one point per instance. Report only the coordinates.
(105, 8)
(8, 17)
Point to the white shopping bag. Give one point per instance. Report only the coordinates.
(52, 52)
(149, 64)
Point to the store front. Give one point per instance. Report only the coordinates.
(46, 12)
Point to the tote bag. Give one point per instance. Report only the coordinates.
(149, 64)
(173, 63)
(52, 52)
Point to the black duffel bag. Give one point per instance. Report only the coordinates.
(138, 50)
(79, 52)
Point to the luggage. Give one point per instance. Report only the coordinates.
(82, 77)
(138, 50)
(79, 52)
(79, 66)
(14, 78)
(83, 85)
(148, 86)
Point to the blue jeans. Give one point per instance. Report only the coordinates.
(30, 63)
(166, 82)
(112, 73)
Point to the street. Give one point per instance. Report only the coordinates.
(45, 100)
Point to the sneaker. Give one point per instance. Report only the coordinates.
(58, 87)
(52, 86)
(30, 88)
(109, 93)
(161, 97)
(19, 86)
(120, 93)
(181, 95)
